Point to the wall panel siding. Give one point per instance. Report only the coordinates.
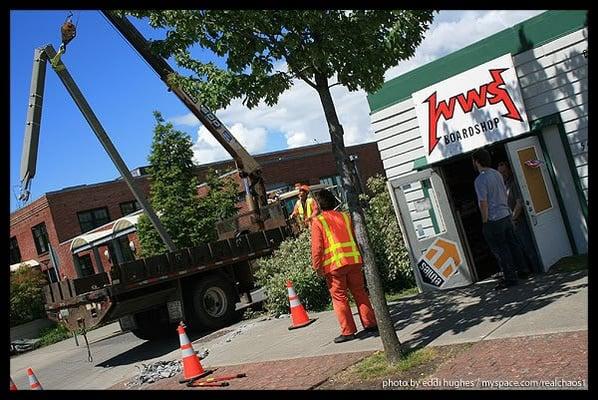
(553, 79)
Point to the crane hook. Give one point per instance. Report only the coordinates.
(68, 31)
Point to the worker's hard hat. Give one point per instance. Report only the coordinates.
(304, 188)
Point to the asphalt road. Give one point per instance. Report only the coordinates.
(65, 365)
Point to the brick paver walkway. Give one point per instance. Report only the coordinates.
(560, 358)
(298, 373)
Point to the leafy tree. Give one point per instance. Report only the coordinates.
(385, 236)
(218, 204)
(355, 48)
(26, 295)
(189, 220)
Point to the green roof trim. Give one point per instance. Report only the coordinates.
(420, 163)
(526, 35)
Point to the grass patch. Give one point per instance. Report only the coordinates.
(571, 264)
(376, 365)
(53, 335)
(403, 293)
(416, 364)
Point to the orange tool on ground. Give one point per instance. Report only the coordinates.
(207, 384)
(216, 379)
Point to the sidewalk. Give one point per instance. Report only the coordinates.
(547, 304)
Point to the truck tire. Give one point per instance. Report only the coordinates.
(152, 326)
(214, 300)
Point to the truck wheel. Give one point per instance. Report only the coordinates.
(152, 326)
(214, 301)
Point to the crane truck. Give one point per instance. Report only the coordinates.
(206, 285)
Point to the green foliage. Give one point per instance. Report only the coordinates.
(188, 219)
(355, 46)
(53, 335)
(384, 232)
(376, 365)
(292, 261)
(218, 204)
(26, 295)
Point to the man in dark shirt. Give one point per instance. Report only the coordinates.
(522, 230)
(497, 227)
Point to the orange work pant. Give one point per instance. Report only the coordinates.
(350, 277)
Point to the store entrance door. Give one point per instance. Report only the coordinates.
(540, 200)
(430, 232)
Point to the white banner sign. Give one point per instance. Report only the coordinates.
(470, 110)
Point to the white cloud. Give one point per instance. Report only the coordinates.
(299, 116)
(185, 120)
(453, 30)
(207, 149)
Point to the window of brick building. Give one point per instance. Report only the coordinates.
(93, 218)
(331, 180)
(15, 253)
(40, 237)
(86, 265)
(128, 207)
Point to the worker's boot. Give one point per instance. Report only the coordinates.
(344, 338)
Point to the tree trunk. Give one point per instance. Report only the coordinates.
(392, 346)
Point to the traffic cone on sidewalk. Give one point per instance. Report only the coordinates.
(13, 387)
(192, 368)
(33, 382)
(299, 317)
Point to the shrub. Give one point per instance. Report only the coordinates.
(53, 334)
(385, 237)
(292, 261)
(26, 295)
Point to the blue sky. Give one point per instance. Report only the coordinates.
(123, 91)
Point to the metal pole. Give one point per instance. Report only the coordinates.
(99, 131)
(96, 255)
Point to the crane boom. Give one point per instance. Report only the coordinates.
(247, 166)
(32, 126)
(32, 131)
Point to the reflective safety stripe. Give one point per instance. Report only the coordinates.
(188, 352)
(184, 339)
(339, 249)
(292, 292)
(295, 302)
(309, 203)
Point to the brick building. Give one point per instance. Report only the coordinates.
(81, 223)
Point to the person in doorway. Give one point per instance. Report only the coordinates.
(305, 208)
(497, 227)
(522, 231)
(335, 255)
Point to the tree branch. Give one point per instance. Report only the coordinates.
(334, 84)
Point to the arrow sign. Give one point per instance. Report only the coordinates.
(435, 258)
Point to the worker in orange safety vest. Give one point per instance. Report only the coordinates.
(335, 255)
(305, 208)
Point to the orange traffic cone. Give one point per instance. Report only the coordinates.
(299, 317)
(33, 382)
(13, 387)
(192, 368)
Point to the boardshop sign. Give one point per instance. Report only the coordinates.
(470, 110)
